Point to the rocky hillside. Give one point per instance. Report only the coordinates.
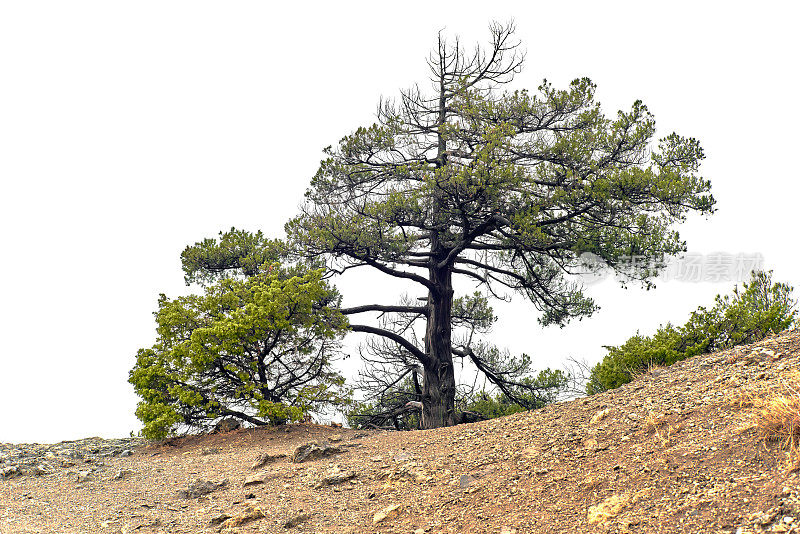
(677, 450)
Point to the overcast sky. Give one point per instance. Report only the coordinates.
(130, 130)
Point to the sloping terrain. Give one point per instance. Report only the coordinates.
(674, 451)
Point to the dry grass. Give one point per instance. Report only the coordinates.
(646, 369)
(777, 417)
(662, 427)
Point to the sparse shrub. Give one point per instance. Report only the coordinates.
(548, 385)
(389, 410)
(662, 428)
(778, 416)
(761, 308)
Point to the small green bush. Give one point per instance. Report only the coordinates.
(761, 308)
(547, 385)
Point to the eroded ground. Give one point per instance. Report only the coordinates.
(674, 451)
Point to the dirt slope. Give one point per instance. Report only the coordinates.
(674, 451)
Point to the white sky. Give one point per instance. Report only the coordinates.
(130, 130)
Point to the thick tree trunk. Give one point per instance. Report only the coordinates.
(439, 387)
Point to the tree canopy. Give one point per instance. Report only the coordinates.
(257, 344)
(502, 188)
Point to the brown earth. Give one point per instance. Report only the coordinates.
(674, 451)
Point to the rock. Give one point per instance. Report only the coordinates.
(258, 478)
(206, 451)
(335, 438)
(337, 477)
(314, 450)
(402, 457)
(126, 452)
(599, 416)
(11, 472)
(83, 476)
(201, 487)
(33, 459)
(607, 510)
(249, 515)
(390, 512)
(122, 473)
(37, 470)
(296, 520)
(264, 459)
(466, 481)
(219, 519)
(227, 425)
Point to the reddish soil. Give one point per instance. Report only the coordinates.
(674, 451)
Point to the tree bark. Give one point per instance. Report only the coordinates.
(439, 386)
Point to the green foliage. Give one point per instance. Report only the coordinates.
(537, 392)
(761, 308)
(236, 253)
(532, 393)
(257, 347)
(387, 409)
(530, 181)
(505, 189)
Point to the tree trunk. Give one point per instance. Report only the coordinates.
(439, 388)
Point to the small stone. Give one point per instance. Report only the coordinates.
(11, 472)
(249, 515)
(219, 519)
(314, 450)
(606, 510)
(38, 470)
(466, 481)
(84, 476)
(508, 530)
(296, 520)
(599, 416)
(258, 478)
(206, 451)
(264, 459)
(200, 487)
(335, 438)
(336, 478)
(126, 452)
(227, 424)
(390, 512)
(122, 473)
(788, 519)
